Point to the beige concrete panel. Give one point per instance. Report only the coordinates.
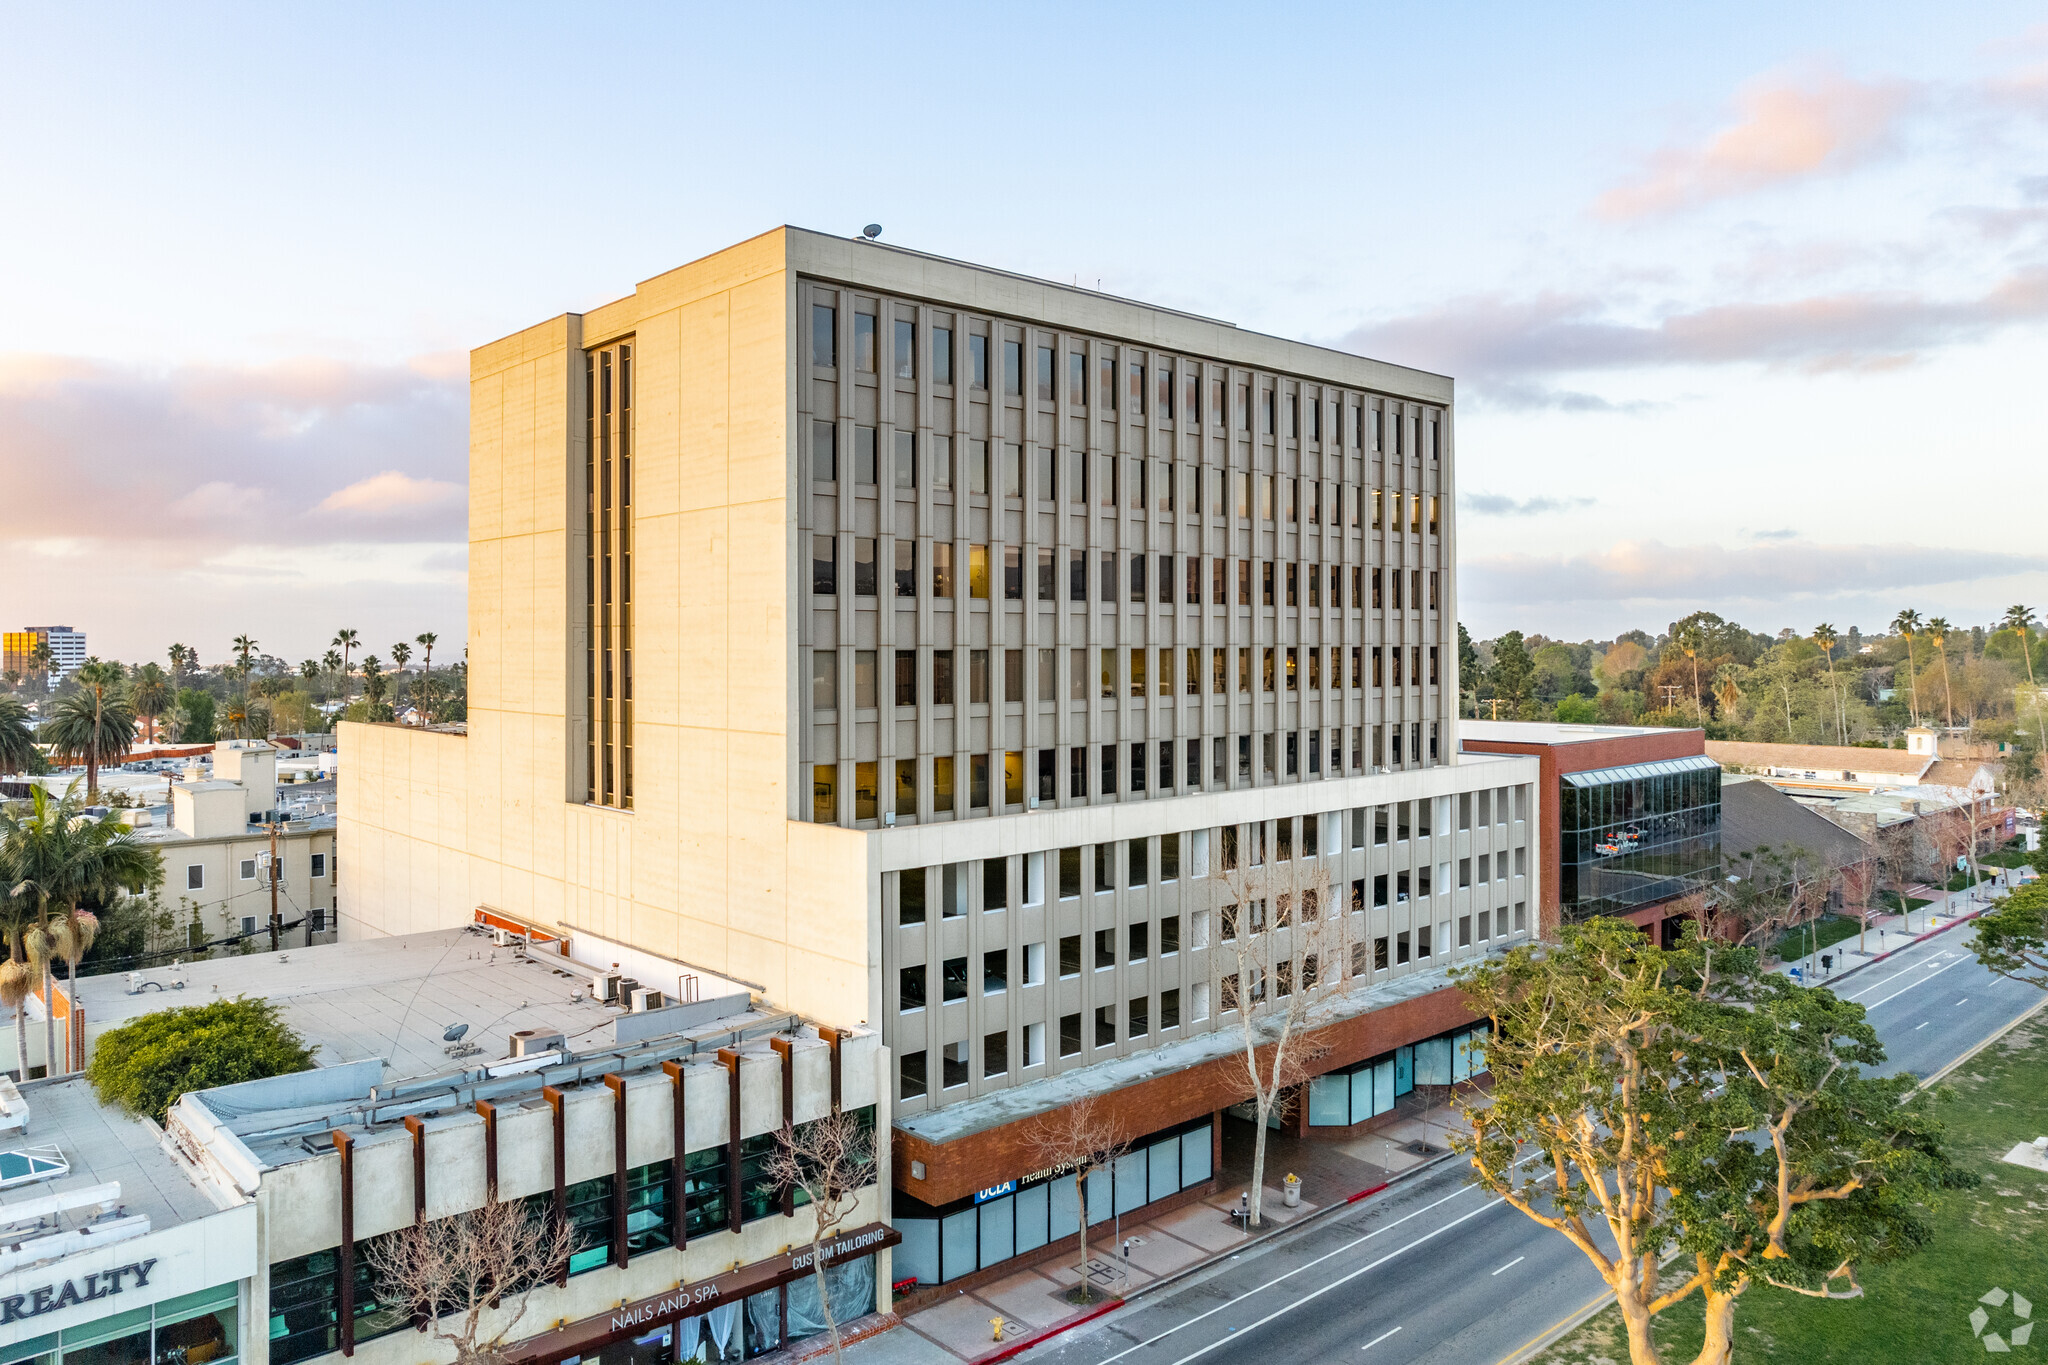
(520, 449)
(763, 367)
(704, 436)
(657, 416)
(526, 1150)
(861, 1073)
(383, 1182)
(524, 346)
(760, 1089)
(756, 648)
(730, 268)
(587, 1122)
(707, 1105)
(650, 1119)
(704, 541)
(811, 1059)
(455, 1164)
(301, 1207)
(486, 440)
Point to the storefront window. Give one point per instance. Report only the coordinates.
(759, 1194)
(305, 1305)
(647, 1207)
(193, 1329)
(1369, 1089)
(1638, 834)
(704, 1182)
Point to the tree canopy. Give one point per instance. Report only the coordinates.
(146, 1064)
(2012, 936)
(1683, 1101)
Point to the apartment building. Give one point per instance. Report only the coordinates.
(976, 658)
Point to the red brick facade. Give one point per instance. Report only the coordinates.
(953, 1170)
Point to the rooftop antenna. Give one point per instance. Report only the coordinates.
(453, 1033)
(871, 231)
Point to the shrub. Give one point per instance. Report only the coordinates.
(143, 1066)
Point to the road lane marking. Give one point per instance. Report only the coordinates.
(1377, 1340)
(1341, 1280)
(1467, 1189)
(1512, 1264)
(1964, 1001)
(1921, 982)
(1556, 1328)
(1904, 969)
(1921, 1025)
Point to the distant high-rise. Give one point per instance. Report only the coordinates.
(18, 652)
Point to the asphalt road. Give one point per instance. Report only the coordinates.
(1435, 1271)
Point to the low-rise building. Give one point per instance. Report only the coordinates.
(465, 1065)
(1631, 816)
(111, 1250)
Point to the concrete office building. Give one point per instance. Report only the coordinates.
(931, 647)
(19, 652)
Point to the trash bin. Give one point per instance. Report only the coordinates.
(1290, 1191)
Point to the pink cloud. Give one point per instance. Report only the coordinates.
(392, 491)
(1788, 128)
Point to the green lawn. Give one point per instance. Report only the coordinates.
(1917, 1309)
(1794, 944)
(1901, 904)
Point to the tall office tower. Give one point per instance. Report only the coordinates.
(993, 661)
(66, 652)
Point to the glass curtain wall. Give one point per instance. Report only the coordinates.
(1637, 835)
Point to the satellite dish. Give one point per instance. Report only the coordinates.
(871, 231)
(453, 1033)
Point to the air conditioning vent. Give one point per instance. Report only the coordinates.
(644, 1000)
(529, 1042)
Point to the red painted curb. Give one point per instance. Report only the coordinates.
(1024, 1344)
(1363, 1193)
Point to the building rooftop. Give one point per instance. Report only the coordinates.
(1550, 732)
(1823, 760)
(394, 998)
(1755, 814)
(87, 1146)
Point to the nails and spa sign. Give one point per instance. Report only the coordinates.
(65, 1293)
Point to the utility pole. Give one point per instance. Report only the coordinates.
(276, 923)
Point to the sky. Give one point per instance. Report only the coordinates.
(1745, 303)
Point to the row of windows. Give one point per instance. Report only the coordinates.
(1119, 480)
(246, 869)
(1280, 755)
(1368, 422)
(1289, 668)
(1135, 576)
(1140, 1016)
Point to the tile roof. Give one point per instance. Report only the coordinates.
(1825, 759)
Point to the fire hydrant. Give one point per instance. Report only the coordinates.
(997, 1325)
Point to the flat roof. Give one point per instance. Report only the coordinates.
(393, 997)
(101, 1144)
(1551, 732)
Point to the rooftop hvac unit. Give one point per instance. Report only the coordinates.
(604, 987)
(627, 985)
(531, 1042)
(644, 1000)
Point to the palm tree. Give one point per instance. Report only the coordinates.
(181, 657)
(2020, 620)
(56, 853)
(345, 641)
(1692, 640)
(17, 741)
(1907, 623)
(400, 652)
(1726, 694)
(94, 725)
(1937, 631)
(151, 694)
(245, 646)
(39, 660)
(426, 640)
(309, 669)
(1824, 636)
(12, 677)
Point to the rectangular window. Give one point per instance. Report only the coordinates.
(824, 452)
(1105, 1026)
(977, 571)
(906, 349)
(1045, 374)
(942, 570)
(1105, 949)
(1070, 955)
(825, 566)
(977, 777)
(825, 793)
(1140, 1017)
(906, 459)
(824, 336)
(825, 680)
(955, 1064)
(195, 877)
(977, 677)
(1070, 871)
(1013, 573)
(1013, 368)
(866, 796)
(864, 342)
(942, 355)
(1070, 1034)
(906, 677)
(864, 455)
(1048, 578)
(910, 900)
(863, 566)
(608, 576)
(910, 988)
(1077, 379)
(906, 567)
(995, 1054)
(977, 362)
(319, 866)
(995, 971)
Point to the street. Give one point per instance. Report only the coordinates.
(1435, 1271)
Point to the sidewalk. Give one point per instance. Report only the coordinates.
(1887, 933)
(1027, 1301)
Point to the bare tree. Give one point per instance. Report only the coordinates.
(454, 1270)
(1772, 890)
(1284, 949)
(829, 1161)
(1080, 1139)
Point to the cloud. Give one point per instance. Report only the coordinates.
(1651, 573)
(394, 492)
(1785, 534)
(1787, 128)
(1497, 505)
(1499, 339)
